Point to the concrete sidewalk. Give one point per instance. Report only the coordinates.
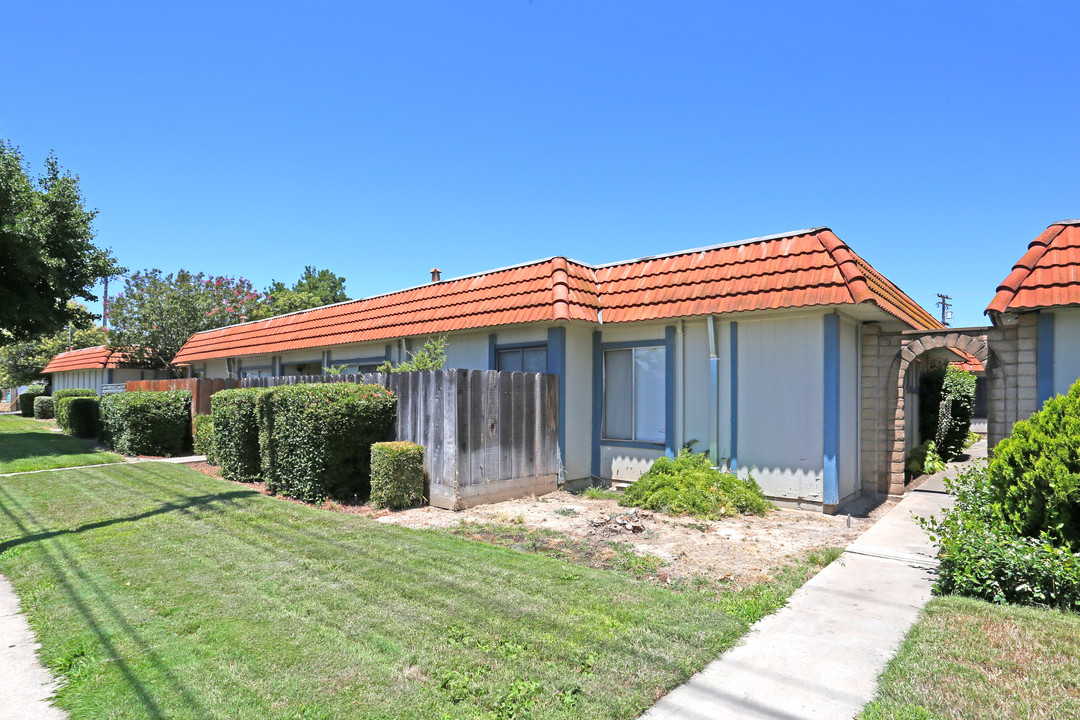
(25, 686)
(820, 656)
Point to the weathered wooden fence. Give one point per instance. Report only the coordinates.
(489, 436)
(201, 389)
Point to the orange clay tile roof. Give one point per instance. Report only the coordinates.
(802, 269)
(1047, 275)
(92, 358)
(970, 363)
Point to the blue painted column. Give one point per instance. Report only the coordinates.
(491, 351)
(733, 463)
(669, 390)
(556, 365)
(831, 383)
(109, 376)
(1045, 357)
(597, 399)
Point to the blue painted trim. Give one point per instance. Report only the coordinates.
(521, 345)
(634, 343)
(386, 353)
(373, 360)
(635, 444)
(556, 365)
(597, 399)
(733, 352)
(491, 351)
(109, 376)
(1045, 357)
(830, 476)
(669, 390)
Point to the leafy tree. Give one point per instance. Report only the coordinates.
(45, 249)
(315, 288)
(432, 356)
(21, 362)
(156, 313)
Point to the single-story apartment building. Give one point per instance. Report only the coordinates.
(1046, 281)
(91, 368)
(749, 350)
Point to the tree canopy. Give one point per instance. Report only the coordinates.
(46, 250)
(21, 362)
(155, 314)
(315, 288)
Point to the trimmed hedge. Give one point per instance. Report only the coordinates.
(315, 439)
(43, 407)
(1035, 472)
(397, 474)
(235, 415)
(147, 422)
(74, 392)
(26, 399)
(202, 437)
(78, 416)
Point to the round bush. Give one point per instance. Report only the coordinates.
(147, 422)
(1035, 472)
(689, 485)
(43, 407)
(26, 399)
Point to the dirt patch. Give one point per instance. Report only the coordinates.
(599, 532)
(743, 549)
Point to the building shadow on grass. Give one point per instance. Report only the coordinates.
(24, 445)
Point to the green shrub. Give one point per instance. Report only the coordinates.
(147, 422)
(202, 436)
(235, 416)
(924, 459)
(982, 556)
(74, 392)
(954, 412)
(930, 383)
(689, 485)
(43, 407)
(1035, 472)
(78, 416)
(26, 399)
(315, 439)
(62, 407)
(397, 474)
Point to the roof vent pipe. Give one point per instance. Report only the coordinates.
(436, 274)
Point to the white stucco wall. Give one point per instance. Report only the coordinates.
(781, 405)
(695, 371)
(1066, 349)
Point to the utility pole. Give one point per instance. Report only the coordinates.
(944, 304)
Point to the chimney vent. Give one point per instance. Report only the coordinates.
(436, 275)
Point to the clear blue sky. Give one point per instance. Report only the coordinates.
(380, 139)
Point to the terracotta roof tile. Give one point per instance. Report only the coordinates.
(92, 358)
(803, 269)
(1047, 275)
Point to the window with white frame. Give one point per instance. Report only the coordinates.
(522, 359)
(634, 394)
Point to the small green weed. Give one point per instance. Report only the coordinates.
(598, 493)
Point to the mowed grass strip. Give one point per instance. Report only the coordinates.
(969, 659)
(157, 591)
(28, 444)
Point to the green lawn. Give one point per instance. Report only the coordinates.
(28, 444)
(973, 660)
(158, 592)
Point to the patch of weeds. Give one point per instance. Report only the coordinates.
(598, 493)
(823, 556)
(627, 560)
(700, 527)
(566, 512)
(518, 697)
